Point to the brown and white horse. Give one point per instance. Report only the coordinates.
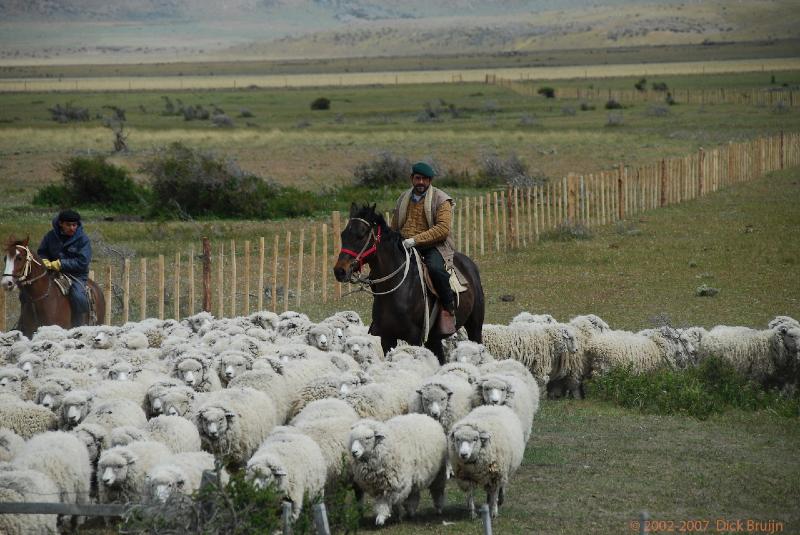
(41, 299)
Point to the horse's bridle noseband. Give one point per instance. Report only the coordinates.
(374, 237)
(22, 279)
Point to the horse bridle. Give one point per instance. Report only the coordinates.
(375, 239)
(22, 279)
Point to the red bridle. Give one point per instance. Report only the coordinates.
(364, 253)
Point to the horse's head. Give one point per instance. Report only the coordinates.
(17, 255)
(360, 239)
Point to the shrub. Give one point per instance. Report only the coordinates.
(613, 104)
(586, 106)
(245, 113)
(660, 86)
(321, 103)
(567, 231)
(385, 170)
(641, 85)
(568, 111)
(200, 184)
(68, 113)
(221, 120)
(494, 170)
(711, 387)
(91, 180)
(547, 92)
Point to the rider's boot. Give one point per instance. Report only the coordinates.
(447, 319)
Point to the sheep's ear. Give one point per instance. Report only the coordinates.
(379, 437)
(230, 415)
(485, 436)
(419, 391)
(279, 472)
(180, 483)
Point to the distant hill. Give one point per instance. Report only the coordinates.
(91, 31)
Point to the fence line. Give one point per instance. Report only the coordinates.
(513, 218)
(741, 96)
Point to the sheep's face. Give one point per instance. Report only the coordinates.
(363, 440)
(348, 383)
(263, 472)
(113, 469)
(31, 365)
(121, 371)
(75, 407)
(177, 403)
(164, 481)
(791, 341)
(11, 380)
(155, 396)
(468, 442)
(46, 347)
(320, 337)
(190, 371)
(199, 321)
(293, 326)
(216, 340)
(232, 366)
(50, 396)
(102, 340)
(435, 400)
(468, 354)
(215, 422)
(567, 341)
(495, 391)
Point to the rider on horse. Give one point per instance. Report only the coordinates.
(67, 249)
(423, 215)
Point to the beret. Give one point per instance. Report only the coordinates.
(424, 169)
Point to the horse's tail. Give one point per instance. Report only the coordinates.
(98, 301)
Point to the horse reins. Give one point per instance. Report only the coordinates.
(375, 238)
(22, 280)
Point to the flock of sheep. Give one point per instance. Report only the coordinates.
(136, 413)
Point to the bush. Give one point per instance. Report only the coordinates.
(660, 86)
(641, 85)
(613, 104)
(586, 106)
(567, 232)
(494, 170)
(321, 103)
(548, 92)
(91, 180)
(385, 170)
(710, 388)
(68, 113)
(196, 183)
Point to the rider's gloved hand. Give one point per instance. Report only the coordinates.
(408, 243)
(55, 265)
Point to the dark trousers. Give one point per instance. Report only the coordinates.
(77, 296)
(439, 275)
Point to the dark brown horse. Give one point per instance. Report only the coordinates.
(42, 300)
(398, 309)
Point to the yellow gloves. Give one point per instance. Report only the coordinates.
(55, 265)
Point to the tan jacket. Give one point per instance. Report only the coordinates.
(438, 215)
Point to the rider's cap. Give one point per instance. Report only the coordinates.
(70, 216)
(424, 169)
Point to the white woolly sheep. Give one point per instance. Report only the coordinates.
(31, 364)
(485, 449)
(511, 391)
(388, 395)
(416, 358)
(265, 319)
(132, 391)
(25, 418)
(468, 372)
(126, 434)
(517, 369)
(770, 357)
(366, 349)
(75, 406)
(10, 444)
(14, 380)
(97, 439)
(63, 458)
(198, 372)
(115, 413)
(197, 321)
(292, 324)
(51, 391)
(324, 409)
(175, 432)
(783, 321)
(293, 462)
(323, 337)
(179, 473)
(527, 317)
(233, 423)
(271, 383)
(394, 460)
(154, 397)
(122, 470)
(181, 401)
(327, 386)
(471, 353)
(676, 348)
(19, 486)
(233, 363)
(622, 348)
(445, 398)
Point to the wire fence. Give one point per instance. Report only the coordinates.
(294, 268)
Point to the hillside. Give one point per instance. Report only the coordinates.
(95, 31)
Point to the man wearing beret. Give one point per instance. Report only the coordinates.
(423, 216)
(66, 248)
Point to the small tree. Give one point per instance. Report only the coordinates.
(548, 92)
(321, 103)
(641, 85)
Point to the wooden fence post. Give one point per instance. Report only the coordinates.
(529, 230)
(176, 279)
(161, 286)
(781, 152)
(475, 225)
(572, 199)
(312, 272)
(286, 280)
(458, 214)
(275, 247)
(480, 215)
(701, 158)
(508, 218)
(206, 275)
(2, 310)
(466, 226)
(261, 251)
(337, 246)
(126, 290)
(621, 200)
(233, 276)
(109, 291)
(517, 217)
(324, 260)
(300, 267)
(663, 199)
(246, 277)
(191, 282)
(496, 222)
(221, 282)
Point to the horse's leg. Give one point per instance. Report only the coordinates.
(474, 326)
(387, 343)
(434, 343)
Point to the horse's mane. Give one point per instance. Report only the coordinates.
(367, 212)
(12, 242)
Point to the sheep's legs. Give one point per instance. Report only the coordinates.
(471, 502)
(412, 502)
(382, 512)
(491, 497)
(437, 488)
